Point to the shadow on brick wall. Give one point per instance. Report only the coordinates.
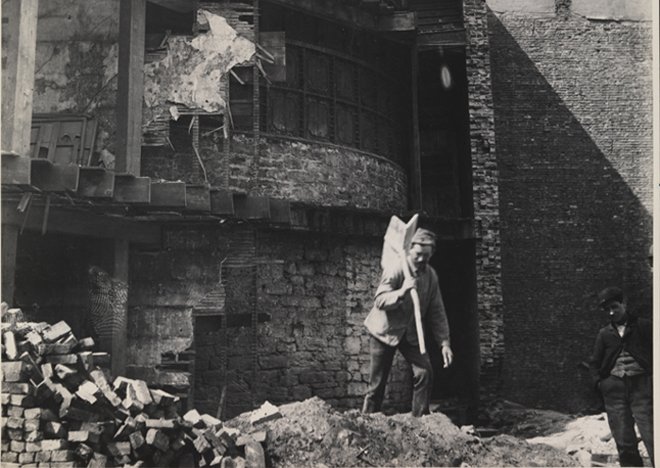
(570, 224)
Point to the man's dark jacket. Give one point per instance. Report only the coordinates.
(637, 340)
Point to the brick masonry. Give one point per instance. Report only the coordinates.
(316, 290)
(316, 174)
(486, 203)
(573, 120)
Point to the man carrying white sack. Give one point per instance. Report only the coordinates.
(391, 324)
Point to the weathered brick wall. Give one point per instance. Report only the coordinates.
(316, 290)
(319, 290)
(76, 61)
(309, 173)
(485, 178)
(573, 124)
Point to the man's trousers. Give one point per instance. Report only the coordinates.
(382, 357)
(629, 400)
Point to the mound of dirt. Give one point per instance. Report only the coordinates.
(312, 433)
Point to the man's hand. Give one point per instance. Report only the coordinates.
(409, 283)
(447, 356)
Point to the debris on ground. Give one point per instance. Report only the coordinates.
(312, 433)
(61, 409)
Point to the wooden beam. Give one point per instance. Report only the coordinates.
(9, 243)
(67, 221)
(118, 362)
(130, 84)
(50, 177)
(249, 207)
(19, 40)
(222, 202)
(415, 163)
(169, 194)
(129, 189)
(280, 211)
(96, 182)
(198, 198)
(15, 170)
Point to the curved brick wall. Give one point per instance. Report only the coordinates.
(309, 173)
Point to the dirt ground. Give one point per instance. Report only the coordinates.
(312, 434)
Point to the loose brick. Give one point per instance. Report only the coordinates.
(62, 455)
(157, 439)
(54, 332)
(9, 457)
(54, 444)
(15, 411)
(33, 436)
(13, 371)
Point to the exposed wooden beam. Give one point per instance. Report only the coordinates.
(415, 163)
(198, 198)
(9, 242)
(96, 182)
(67, 221)
(19, 40)
(129, 189)
(130, 85)
(15, 170)
(248, 207)
(222, 202)
(51, 177)
(168, 194)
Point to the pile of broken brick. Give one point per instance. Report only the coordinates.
(61, 408)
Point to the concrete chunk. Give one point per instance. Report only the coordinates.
(267, 412)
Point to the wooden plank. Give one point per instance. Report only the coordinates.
(249, 207)
(198, 198)
(63, 220)
(96, 182)
(19, 40)
(415, 163)
(132, 19)
(50, 177)
(222, 202)
(118, 353)
(15, 170)
(448, 38)
(9, 243)
(129, 189)
(399, 21)
(170, 194)
(280, 211)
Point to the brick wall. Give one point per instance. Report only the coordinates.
(573, 125)
(309, 173)
(314, 289)
(485, 195)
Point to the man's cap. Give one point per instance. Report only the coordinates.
(609, 294)
(423, 237)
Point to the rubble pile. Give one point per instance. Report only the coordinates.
(62, 409)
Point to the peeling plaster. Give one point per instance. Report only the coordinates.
(191, 73)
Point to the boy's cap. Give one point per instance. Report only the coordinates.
(608, 294)
(423, 237)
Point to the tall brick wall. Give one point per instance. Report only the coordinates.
(486, 203)
(574, 145)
